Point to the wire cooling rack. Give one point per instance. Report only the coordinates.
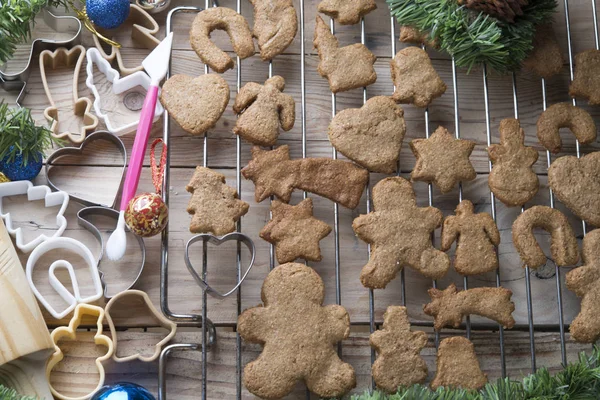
(208, 328)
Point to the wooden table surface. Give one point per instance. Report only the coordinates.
(95, 176)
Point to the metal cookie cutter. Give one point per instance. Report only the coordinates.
(68, 245)
(207, 238)
(71, 333)
(93, 208)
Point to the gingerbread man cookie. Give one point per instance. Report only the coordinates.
(298, 335)
(398, 349)
(476, 237)
(399, 233)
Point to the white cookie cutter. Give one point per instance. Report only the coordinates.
(74, 299)
(119, 85)
(33, 193)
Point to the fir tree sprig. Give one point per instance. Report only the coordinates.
(11, 394)
(471, 37)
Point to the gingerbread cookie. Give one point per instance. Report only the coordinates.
(564, 115)
(294, 231)
(449, 306)
(261, 109)
(371, 135)
(442, 160)
(275, 26)
(398, 349)
(457, 365)
(576, 183)
(512, 180)
(585, 282)
(408, 34)
(346, 12)
(273, 173)
(214, 206)
(476, 237)
(196, 104)
(415, 79)
(586, 81)
(345, 68)
(546, 58)
(564, 243)
(298, 335)
(399, 233)
(226, 19)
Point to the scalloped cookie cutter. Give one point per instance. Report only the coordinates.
(71, 333)
(51, 199)
(143, 31)
(73, 300)
(156, 315)
(82, 106)
(119, 85)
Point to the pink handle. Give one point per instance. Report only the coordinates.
(139, 147)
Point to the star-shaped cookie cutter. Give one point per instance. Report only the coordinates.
(70, 332)
(51, 199)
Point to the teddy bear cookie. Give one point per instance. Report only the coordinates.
(442, 160)
(372, 135)
(399, 233)
(414, 77)
(214, 206)
(586, 81)
(294, 231)
(275, 26)
(512, 180)
(476, 237)
(346, 12)
(564, 115)
(345, 68)
(398, 349)
(261, 109)
(296, 349)
(457, 365)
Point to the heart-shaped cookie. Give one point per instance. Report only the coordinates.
(371, 135)
(576, 183)
(195, 103)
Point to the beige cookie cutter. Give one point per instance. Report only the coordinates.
(143, 32)
(82, 106)
(158, 317)
(71, 333)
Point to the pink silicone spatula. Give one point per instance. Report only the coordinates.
(156, 65)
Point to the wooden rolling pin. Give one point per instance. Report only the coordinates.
(25, 343)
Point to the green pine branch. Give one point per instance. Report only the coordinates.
(11, 394)
(475, 38)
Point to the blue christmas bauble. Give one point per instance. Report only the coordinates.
(123, 391)
(16, 171)
(107, 14)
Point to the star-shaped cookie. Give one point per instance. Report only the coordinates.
(346, 12)
(442, 160)
(294, 231)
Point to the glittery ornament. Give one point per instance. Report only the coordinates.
(16, 171)
(107, 14)
(3, 178)
(123, 391)
(147, 214)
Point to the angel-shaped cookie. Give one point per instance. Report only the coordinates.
(261, 109)
(399, 233)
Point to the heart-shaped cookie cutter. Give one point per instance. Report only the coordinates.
(73, 300)
(206, 238)
(71, 333)
(51, 199)
(119, 85)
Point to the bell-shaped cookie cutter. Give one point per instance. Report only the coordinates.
(68, 245)
(206, 239)
(71, 333)
(119, 85)
(51, 199)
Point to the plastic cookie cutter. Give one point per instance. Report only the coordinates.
(70, 332)
(81, 107)
(119, 86)
(51, 199)
(206, 239)
(139, 296)
(73, 300)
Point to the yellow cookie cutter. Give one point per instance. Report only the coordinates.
(71, 333)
